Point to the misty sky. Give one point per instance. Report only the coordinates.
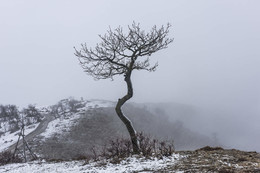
(213, 63)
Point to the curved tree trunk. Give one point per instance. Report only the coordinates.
(125, 120)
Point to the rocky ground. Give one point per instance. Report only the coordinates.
(217, 160)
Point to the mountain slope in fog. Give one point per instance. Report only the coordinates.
(97, 125)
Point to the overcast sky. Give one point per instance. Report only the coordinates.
(214, 61)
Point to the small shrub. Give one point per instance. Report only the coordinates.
(94, 152)
(146, 144)
(7, 157)
(121, 148)
(153, 147)
(166, 148)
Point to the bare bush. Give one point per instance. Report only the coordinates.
(121, 148)
(166, 148)
(7, 157)
(147, 145)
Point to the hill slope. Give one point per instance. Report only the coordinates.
(74, 135)
(78, 126)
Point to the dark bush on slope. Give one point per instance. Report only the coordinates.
(7, 157)
(122, 148)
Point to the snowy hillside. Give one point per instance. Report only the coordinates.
(70, 128)
(8, 138)
(82, 124)
(66, 119)
(65, 114)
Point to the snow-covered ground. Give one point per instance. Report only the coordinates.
(9, 139)
(132, 164)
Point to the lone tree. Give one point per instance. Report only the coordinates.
(120, 53)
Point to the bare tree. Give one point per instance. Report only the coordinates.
(120, 54)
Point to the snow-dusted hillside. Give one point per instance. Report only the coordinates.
(8, 138)
(65, 114)
(71, 119)
(68, 113)
(67, 119)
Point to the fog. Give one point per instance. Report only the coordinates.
(212, 65)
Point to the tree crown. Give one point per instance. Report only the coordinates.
(119, 53)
